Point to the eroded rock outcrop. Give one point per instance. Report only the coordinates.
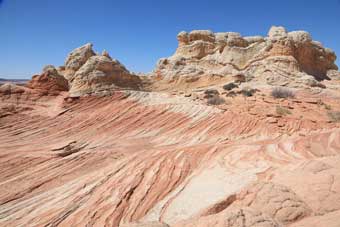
(244, 217)
(76, 59)
(101, 73)
(204, 58)
(281, 58)
(277, 201)
(89, 73)
(10, 88)
(49, 82)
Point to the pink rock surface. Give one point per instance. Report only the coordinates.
(91, 144)
(146, 157)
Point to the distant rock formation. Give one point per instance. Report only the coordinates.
(202, 58)
(88, 72)
(281, 58)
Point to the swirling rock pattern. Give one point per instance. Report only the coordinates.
(92, 144)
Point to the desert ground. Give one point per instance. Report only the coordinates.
(229, 131)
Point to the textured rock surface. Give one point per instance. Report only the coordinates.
(76, 59)
(49, 82)
(10, 88)
(277, 201)
(281, 58)
(91, 73)
(108, 152)
(234, 218)
(149, 156)
(145, 224)
(101, 73)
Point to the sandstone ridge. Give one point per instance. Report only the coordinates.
(203, 59)
(281, 58)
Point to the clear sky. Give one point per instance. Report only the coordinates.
(34, 33)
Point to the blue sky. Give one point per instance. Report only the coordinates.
(34, 33)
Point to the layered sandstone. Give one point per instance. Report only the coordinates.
(281, 58)
(92, 144)
(204, 58)
(76, 59)
(146, 157)
(90, 73)
(49, 82)
(10, 88)
(101, 73)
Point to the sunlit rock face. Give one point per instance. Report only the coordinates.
(49, 82)
(281, 58)
(76, 59)
(88, 72)
(101, 73)
(92, 144)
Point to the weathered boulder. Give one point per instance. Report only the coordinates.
(101, 73)
(204, 35)
(49, 82)
(106, 54)
(10, 88)
(277, 201)
(300, 37)
(333, 74)
(262, 204)
(254, 39)
(277, 33)
(243, 217)
(183, 38)
(76, 59)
